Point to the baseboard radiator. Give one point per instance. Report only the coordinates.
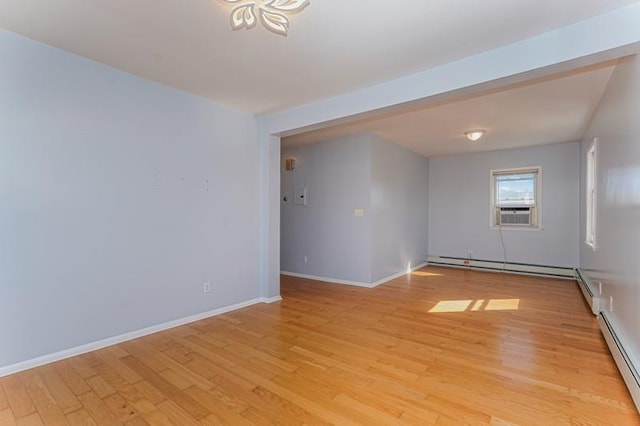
(626, 364)
(588, 291)
(511, 267)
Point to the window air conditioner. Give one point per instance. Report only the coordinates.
(515, 216)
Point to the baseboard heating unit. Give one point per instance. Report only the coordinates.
(511, 267)
(586, 287)
(626, 364)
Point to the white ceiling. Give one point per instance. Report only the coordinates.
(550, 110)
(334, 46)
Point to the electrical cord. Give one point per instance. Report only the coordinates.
(504, 249)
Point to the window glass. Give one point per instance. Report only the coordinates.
(516, 189)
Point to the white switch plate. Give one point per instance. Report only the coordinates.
(206, 287)
(358, 212)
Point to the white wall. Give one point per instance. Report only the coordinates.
(459, 191)
(399, 208)
(615, 261)
(338, 177)
(355, 172)
(118, 199)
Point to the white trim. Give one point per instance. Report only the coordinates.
(625, 359)
(516, 228)
(591, 189)
(537, 205)
(93, 346)
(326, 279)
(590, 294)
(270, 300)
(352, 283)
(498, 266)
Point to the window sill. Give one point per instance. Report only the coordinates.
(516, 228)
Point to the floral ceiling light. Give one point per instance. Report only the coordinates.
(273, 14)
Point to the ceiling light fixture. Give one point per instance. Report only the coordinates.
(273, 14)
(474, 135)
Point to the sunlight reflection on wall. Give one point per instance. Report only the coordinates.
(622, 186)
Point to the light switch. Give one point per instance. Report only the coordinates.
(358, 212)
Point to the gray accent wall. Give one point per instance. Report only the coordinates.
(337, 244)
(119, 198)
(615, 261)
(363, 171)
(459, 206)
(399, 207)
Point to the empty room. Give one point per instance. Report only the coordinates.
(227, 212)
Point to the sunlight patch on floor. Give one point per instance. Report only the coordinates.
(425, 274)
(445, 306)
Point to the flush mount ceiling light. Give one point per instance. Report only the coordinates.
(273, 14)
(474, 135)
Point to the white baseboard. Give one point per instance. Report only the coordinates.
(326, 279)
(588, 290)
(89, 347)
(509, 267)
(625, 360)
(399, 274)
(353, 283)
(270, 299)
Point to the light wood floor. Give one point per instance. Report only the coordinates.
(442, 346)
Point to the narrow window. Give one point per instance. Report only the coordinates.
(591, 196)
(516, 196)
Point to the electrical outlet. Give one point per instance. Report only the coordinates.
(306, 259)
(206, 287)
(469, 254)
(358, 212)
(610, 303)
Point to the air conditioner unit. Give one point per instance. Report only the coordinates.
(515, 216)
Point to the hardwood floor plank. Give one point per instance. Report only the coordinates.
(150, 413)
(6, 417)
(122, 410)
(71, 377)
(176, 414)
(225, 409)
(17, 396)
(100, 386)
(64, 397)
(172, 393)
(30, 420)
(98, 410)
(81, 418)
(112, 360)
(3, 399)
(47, 407)
(440, 346)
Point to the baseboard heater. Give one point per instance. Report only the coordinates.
(586, 287)
(626, 365)
(511, 267)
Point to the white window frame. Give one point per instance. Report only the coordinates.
(537, 206)
(590, 195)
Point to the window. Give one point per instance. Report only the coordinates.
(516, 198)
(590, 238)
